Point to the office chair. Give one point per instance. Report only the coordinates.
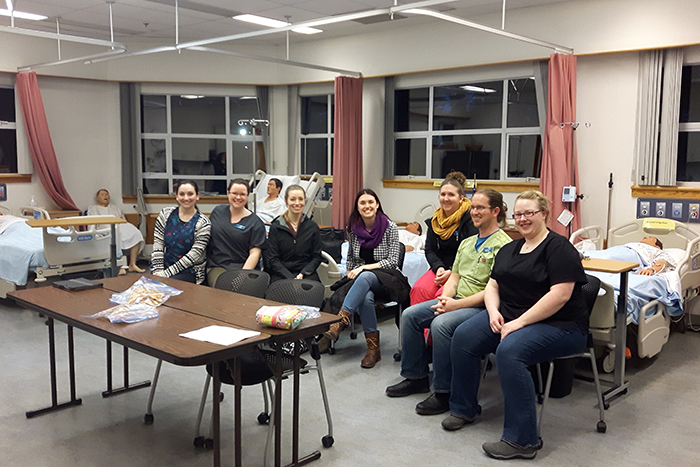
(244, 281)
(328, 272)
(310, 293)
(590, 293)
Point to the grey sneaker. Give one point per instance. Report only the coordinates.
(455, 422)
(502, 450)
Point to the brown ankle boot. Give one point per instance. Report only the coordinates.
(334, 331)
(374, 354)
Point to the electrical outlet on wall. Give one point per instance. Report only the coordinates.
(694, 211)
(644, 208)
(677, 211)
(660, 209)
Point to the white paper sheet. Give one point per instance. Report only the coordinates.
(222, 335)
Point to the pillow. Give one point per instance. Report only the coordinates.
(676, 253)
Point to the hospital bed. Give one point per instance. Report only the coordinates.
(312, 187)
(35, 254)
(653, 301)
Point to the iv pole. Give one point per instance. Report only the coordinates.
(254, 122)
(574, 126)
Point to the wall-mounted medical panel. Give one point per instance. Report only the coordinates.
(683, 210)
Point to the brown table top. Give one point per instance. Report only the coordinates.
(608, 265)
(79, 220)
(229, 307)
(158, 337)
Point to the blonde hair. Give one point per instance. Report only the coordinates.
(539, 198)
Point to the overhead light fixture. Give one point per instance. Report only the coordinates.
(191, 96)
(20, 14)
(478, 89)
(274, 23)
(9, 4)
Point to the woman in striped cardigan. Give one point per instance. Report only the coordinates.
(180, 238)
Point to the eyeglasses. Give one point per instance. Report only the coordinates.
(480, 208)
(526, 214)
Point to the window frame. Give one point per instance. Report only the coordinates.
(687, 127)
(328, 135)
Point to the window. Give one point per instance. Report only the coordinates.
(199, 138)
(317, 134)
(488, 130)
(688, 168)
(8, 132)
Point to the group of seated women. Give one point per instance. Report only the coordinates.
(484, 293)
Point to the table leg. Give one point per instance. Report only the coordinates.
(238, 446)
(620, 385)
(126, 387)
(113, 250)
(278, 406)
(52, 364)
(216, 422)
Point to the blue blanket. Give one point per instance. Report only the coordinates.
(21, 248)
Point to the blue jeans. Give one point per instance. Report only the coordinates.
(532, 344)
(360, 299)
(414, 352)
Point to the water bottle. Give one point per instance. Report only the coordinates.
(32, 202)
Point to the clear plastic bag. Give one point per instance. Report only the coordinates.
(127, 313)
(145, 291)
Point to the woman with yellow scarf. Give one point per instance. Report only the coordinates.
(450, 224)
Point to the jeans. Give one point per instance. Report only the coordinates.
(414, 352)
(532, 344)
(360, 299)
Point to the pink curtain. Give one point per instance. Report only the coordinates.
(559, 162)
(40, 145)
(347, 149)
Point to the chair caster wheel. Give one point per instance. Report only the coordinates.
(209, 443)
(148, 419)
(327, 441)
(353, 335)
(263, 418)
(397, 357)
(199, 442)
(601, 427)
(331, 350)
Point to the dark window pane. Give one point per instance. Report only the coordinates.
(195, 156)
(197, 114)
(409, 156)
(314, 115)
(314, 156)
(154, 114)
(688, 167)
(206, 187)
(243, 108)
(8, 151)
(474, 155)
(690, 94)
(469, 106)
(153, 154)
(242, 157)
(522, 103)
(411, 109)
(332, 113)
(7, 105)
(524, 155)
(153, 186)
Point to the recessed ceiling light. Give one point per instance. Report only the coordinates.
(191, 96)
(478, 89)
(21, 14)
(274, 23)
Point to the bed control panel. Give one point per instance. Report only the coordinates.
(683, 210)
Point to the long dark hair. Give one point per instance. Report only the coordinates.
(355, 216)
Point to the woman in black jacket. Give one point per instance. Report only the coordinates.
(294, 242)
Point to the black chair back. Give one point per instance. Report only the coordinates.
(296, 292)
(402, 255)
(590, 291)
(244, 281)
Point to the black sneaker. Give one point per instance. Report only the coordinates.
(408, 387)
(504, 451)
(436, 404)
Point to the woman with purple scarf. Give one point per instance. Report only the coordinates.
(372, 265)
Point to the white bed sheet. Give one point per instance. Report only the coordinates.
(21, 248)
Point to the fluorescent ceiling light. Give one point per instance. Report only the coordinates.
(478, 89)
(21, 14)
(191, 96)
(274, 23)
(9, 4)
